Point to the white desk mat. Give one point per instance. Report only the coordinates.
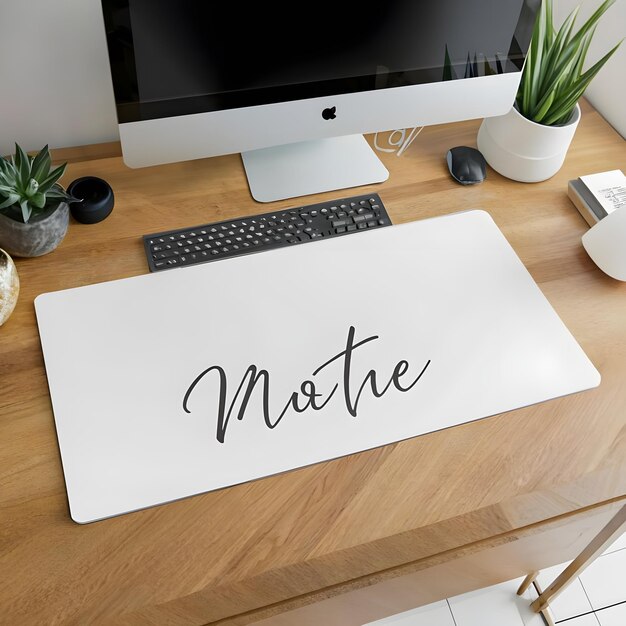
(143, 372)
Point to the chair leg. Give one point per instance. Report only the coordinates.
(547, 617)
(527, 582)
(545, 613)
(595, 548)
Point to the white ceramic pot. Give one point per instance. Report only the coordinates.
(523, 150)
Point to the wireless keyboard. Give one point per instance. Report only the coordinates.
(222, 240)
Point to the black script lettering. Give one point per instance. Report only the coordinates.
(371, 377)
(347, 361)
(222, 420)
(307, 388)
(402, 368)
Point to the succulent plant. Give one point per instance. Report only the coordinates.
(553, 78)
(27, 184)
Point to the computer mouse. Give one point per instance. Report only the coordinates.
(605, 243)
(467, 165)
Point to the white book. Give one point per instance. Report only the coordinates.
(597, 195)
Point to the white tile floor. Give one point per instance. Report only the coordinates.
(614, 616)
(605, 580)
(584, 620)
(596, 598)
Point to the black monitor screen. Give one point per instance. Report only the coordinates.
(177, 57)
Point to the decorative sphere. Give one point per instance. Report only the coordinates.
(9, 286)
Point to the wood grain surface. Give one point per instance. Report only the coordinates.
(478, 565)
(218, 555)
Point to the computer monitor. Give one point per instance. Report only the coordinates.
(293, 86)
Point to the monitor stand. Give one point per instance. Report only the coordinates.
(310, 167)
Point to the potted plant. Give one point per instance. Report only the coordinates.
(34, 211)
(530, 142)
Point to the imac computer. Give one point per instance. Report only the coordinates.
(293, 86)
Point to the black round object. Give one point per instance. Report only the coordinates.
(467, 165)
(97, 199)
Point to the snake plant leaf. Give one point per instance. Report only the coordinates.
(52, 178)
(26, 210)
(6, 189)
(524, 98)
(550, 31)
(556, 48)
(10, 200)
(7, 173)
(570, 98)
(575, 41)
(4, 166)
(39, 200)
(553, 78)
(41, 164)
(552, 89)
(591, 23)
(55, 192)
(22, 164)
(59, 194)
(537, 45)
(545, 107)
(578, 68)
(562, 60)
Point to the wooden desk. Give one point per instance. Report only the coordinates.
(350, 540)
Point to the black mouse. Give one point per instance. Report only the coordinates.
(467, 165)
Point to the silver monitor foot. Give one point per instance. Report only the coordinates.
(310, 167)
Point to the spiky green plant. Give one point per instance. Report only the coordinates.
(28, 186)
(553, 79)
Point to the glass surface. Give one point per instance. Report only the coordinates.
(176, 57)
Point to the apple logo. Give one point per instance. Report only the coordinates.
(329, 114)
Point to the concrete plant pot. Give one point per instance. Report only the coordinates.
(41, 235)
(523, 150)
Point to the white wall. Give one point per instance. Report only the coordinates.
(607, 91)
(56, 87)
(55, 84)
